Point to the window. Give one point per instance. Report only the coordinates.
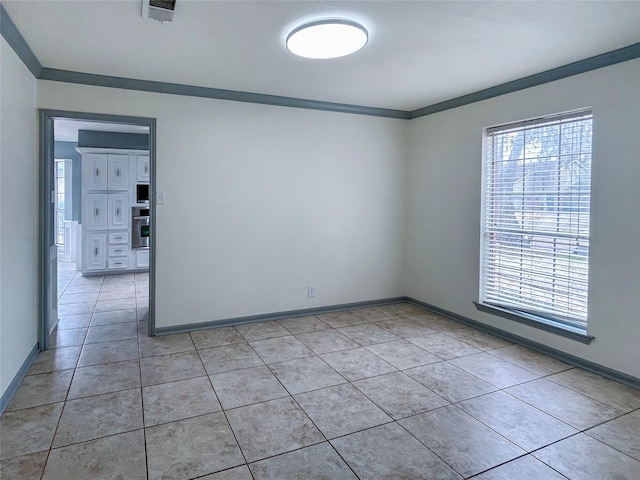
(535, 220)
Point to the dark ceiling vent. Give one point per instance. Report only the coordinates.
(161, 10)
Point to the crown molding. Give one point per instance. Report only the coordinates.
(15, 39)
(214, 93)
(624, 54)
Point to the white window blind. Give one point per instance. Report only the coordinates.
(535, 217)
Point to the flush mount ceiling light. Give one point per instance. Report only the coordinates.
(328, 38)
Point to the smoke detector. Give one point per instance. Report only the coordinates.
(161, 10)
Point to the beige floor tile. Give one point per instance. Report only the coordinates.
(76, 308)
(565, 404)
(86, 297)
(173, 401)
(534, 361)
(389, 452)
(55, 359)
(623, 434)
(111, 333)
(270, 428)
(340, 410)
(109, 352)
(72, 337)
(399, 395)
(115, 316)
(99, 416)
(170, 368)
(80, 320)
(165, 344)
(305, 374)
(26, 467)
(120, 304)
(403, 355)
(303, 324)
(524, 425)
(119, 456)
(280, 349)
(41, 389)
(585, 458)
(28, 431)
(527, 467)
(368, 334)
(318, 461)
(406, 309)
(191, 448)
(216, 337)
(376, 314)
(357, 363)
(237, 473)
(262, 330)
(111, 377)
(326, 341)
(450, 382)
(493, 370)
(342, 319)
(478, 449)
(619, 396)
(229, 357)
(444, 346)
(247, 386)
(478, 339)
(438, 322)
(405, 327)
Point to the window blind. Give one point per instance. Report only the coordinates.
(535, 217)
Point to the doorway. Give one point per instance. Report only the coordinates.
(90, 273)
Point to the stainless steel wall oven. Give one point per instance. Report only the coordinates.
(140, 227)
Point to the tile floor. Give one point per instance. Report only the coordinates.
(376, 393)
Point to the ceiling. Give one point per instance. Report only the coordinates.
(67, 130)
(419, 52)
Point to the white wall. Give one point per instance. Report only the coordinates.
(262, 201)
(18, 214)
(444, 171)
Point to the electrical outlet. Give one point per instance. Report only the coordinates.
(311, 292)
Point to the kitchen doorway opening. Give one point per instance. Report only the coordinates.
(97, 228)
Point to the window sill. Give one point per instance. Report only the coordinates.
(537, 322)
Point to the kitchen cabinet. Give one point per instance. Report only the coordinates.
(143, 173)
(142, 258)
(118, 172)
(119, 211)
(95, 212)
(95, 254)
(109, 180)
(94, 171)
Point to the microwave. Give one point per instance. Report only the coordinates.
(142, 193)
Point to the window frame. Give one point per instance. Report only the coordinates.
(542, 321)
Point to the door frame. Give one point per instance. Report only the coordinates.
(46, 211)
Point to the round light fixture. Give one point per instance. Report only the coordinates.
(328, 38)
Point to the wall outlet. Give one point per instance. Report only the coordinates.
(311, 292)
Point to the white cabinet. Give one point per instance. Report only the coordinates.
(119, 212)
(118, 238)
(118, 172)
(143, 173)
(95, 212)
(142, 258)
(95, 251)
(118, 263)
(94, 172)
(109, 179)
